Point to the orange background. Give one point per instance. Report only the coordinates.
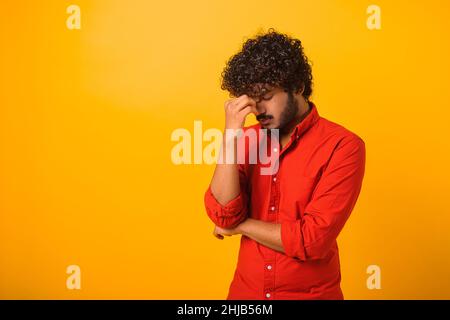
(86, 115)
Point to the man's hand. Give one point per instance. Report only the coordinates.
(266, 233)
(237, 109)
(220, 232)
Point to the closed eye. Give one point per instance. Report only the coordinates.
(267, 98)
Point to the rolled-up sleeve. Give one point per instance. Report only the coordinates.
(232, 213)
(331, 203)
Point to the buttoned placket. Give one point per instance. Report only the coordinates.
(270, 261)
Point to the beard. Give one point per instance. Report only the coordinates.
(289, 112)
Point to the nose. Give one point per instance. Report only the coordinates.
(260, 108)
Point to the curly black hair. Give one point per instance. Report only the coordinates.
(270, 59)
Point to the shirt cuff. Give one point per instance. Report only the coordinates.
(231, 208)
(292, 239)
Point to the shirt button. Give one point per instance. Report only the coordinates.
(269, 267)
(272, 208)
(275, 149)
(267, 295)
(274, 178)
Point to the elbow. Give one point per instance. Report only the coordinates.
(319, 251)
(225, 216)
(317, 254)
(310, 255)
(296, 247)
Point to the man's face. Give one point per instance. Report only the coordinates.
(276, 108)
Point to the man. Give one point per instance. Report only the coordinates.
(289, 220)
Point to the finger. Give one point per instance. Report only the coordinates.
(246, 102)
(241, 104)
(241, 97)
(228, 102)
(218, 236)
(247, 110)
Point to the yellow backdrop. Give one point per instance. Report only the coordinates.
(86, 116)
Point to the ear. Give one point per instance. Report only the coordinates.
(300, 90)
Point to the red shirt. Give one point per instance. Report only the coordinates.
(311, 195)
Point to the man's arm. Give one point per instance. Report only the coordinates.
(225, 181)
(224, 200)
(266, 233)
(325, 215)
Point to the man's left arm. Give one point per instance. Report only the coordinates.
(325, 215)
(266, 233)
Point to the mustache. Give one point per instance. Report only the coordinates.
(263, 117)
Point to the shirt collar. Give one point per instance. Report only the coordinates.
(310, 119)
